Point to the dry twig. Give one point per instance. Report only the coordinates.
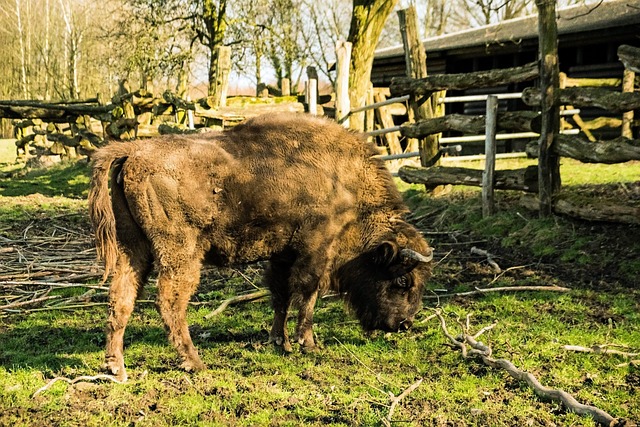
(75, 380)
(396, 399)
(601, 349)
(238, 299)
(480, 291)
(470, 347)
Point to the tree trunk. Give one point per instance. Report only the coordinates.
(214, 18)
(23, 54)
(367, 22)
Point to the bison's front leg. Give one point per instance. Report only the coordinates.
(304, 327)
(276, 278)
(307, 277)
(175, 287)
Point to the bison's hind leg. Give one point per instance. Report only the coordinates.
(133, 265)
(177, 281)
(131, 273)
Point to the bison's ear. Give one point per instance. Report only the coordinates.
(399, 261)
(386, 253)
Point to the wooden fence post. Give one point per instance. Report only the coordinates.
(491, 124)
(222, 76)
(313, 97)
(416, 66)
(343, 58)
(312, 90)
(369, 115)
(548, 162)
(628, 81)
(286, 87)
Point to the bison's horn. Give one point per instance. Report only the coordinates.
(411, 254)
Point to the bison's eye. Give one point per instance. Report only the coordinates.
(402, 282)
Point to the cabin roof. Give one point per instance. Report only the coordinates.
(571, 20)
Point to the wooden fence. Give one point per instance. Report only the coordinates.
(572, 94)
(70, 128)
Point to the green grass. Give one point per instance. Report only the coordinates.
(348, 381)
(66, 180)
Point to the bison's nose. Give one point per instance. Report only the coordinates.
(405, 325)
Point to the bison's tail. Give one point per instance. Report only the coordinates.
(100, 206)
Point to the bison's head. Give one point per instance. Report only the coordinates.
(384, 286)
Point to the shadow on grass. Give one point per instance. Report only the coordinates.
(68, 180)
(53, 348)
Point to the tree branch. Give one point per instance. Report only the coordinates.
(470, 347)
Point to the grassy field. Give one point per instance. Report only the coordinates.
(352, 378)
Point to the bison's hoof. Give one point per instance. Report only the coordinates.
(280, 341)
(116, 369)
(307, 345)
(192, 365)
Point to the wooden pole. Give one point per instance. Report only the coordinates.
(343, 58)
(369, 116)
(286, 87)
(416, 67)
(491, 125)
(312, 90)
(313, 97)
(548, 161)
(628, 81)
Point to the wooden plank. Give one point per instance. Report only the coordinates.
(488, 205)
(564, 82)
(386, 121)
(628, 82)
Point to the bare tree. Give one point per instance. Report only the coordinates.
(328, 22)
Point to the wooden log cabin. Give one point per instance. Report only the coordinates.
(588, 39)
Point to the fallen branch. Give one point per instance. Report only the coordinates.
(494, 265)
(600, 349)
(471, 348)
(238, 299)
(480, 291)
(75, 380)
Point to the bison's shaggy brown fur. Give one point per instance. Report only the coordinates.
(301, 192)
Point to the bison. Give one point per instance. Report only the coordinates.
(300, 192)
